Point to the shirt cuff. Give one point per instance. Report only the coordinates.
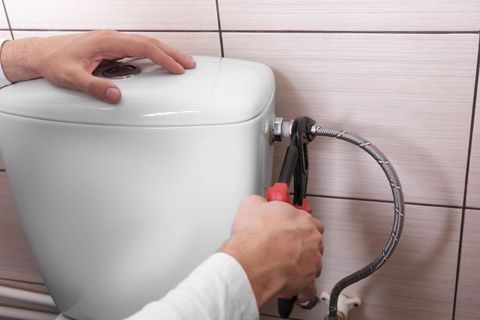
(218, 289)
(3, 79)
(239, 283)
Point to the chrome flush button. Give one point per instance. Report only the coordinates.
(117, 70)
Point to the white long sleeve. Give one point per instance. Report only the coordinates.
(216, 290)
(3, 79)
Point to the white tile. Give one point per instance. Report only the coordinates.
(4, 35)
(468, 307)
(411, 95)
(17, 261)
(194, 43)
(3, 19)
(118, 14)
(396, 15)
(417, 283)
(473, 197)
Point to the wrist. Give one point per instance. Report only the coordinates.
(19, 59)
(267, 276)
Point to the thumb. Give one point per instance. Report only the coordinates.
(99, 88)
(254, 200)
(307, 294)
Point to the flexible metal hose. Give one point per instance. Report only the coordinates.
(399, 214)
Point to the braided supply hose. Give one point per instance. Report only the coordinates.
(399, 213)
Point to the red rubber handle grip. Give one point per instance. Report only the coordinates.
(305, 206)
(278, 192)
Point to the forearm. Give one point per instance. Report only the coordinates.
(20, 59)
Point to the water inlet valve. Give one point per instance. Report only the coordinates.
(345, 304)
(281, 129)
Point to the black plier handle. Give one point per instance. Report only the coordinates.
(294, 164)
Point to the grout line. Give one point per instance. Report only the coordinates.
(44, 310)
(352, 31)
(220, 34)
(472, 208)
(8, 20)
(52, 315)
(385, 201)
(467, 171)
(255, 31)
(23, 281)
(121, 30)
(377, 200)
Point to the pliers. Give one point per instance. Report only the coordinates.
(294, 164)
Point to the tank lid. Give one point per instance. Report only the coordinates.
(217, 91)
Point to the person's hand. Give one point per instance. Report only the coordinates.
(69, 60)
(279, 247)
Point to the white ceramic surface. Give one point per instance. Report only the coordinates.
(155, 97)
(118, 215)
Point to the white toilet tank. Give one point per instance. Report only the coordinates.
(120, 202)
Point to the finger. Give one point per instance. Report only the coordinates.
(115, 45)
(185, 60)
(308, 293)
(319, 269)
(320, 227)
(254, 200)
(139, 46)
(102, 89)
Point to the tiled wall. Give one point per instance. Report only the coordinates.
(402, 73)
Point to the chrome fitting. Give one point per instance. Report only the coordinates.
(314, 129)
(281, 129)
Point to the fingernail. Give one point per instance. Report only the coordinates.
(112, 95)
(180, 68)
(194, 63)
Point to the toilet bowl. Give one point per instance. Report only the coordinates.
(120, 202)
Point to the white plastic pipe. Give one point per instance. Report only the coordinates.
(26, 296)
(23, 314)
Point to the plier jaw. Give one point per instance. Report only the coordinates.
(294, 164)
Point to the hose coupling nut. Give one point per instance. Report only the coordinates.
(281, 129)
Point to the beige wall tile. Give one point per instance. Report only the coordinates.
(473, 198)
(469, 282)
(397, 15)
(416, 283)
(119, 14)
(195, 43)
(411, 95)
(17, 262)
